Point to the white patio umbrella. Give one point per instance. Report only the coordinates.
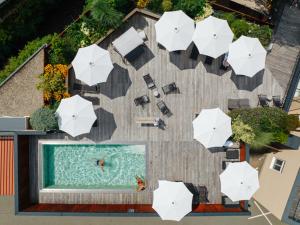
(172, 200)
(247, 56)
(75, 115)
(92, 64)
(174, 30)
(212, 36)
(212, 127)
(239, 181)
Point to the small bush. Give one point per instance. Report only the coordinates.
(242, 132)
(167, 5)
(192, 8)
(43, 119)
(53, 83)
(208, 11)
(263, 33)
(240, 27)
(155, 6)
(142, 3)
(230, 17)
(105, 14)
(261, 140)
(27, 51)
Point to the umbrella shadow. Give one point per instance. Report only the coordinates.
(215, 67)
(200, 194)
(247, 83)
(183, 59)
(117, 84)
(140, 56)
(105, 125)
(216, 149)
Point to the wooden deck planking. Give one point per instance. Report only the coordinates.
(172, 153)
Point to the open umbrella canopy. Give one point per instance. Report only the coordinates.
(212, 36)
(212, 127)
(172, 200)
(247, 56)
(239, 181)
(174, 30)
(92, 64)
(75, 115)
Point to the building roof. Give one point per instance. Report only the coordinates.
(6, 165)
(275, 187)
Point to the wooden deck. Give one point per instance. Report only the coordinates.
(172, 153)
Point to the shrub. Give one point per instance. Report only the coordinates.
(242, 132)
(155, 6)
(192, 8)
(28, 50)
(240, 27)
(105, 14)
(53, 83)
(263, 33)
(142, 3)
(208, 10)
(167, 5)
(269, 124)
(43, 119)
(230, 17)
(124, 6)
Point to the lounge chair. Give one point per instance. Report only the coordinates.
(277, 102)
(142, 100)
(194, 53)
(263, 100)
(149, 81)
(208, 60)
(86, 88)
(238, 103)
(202, 190)
(233, 155)
(178, 52)
(170, 88)
(163, 108)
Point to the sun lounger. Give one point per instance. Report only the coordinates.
(170, 88)
(238, 103)
(233, 155)
(277, 101)
(145, 120)
(208, 60)
(149, 81)
(142, 100)
(263, 100)
(163, 108)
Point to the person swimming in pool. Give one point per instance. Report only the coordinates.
(100, 162)
(140, 183)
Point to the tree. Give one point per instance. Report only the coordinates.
(43, 119)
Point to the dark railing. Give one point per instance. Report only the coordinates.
(292, 86)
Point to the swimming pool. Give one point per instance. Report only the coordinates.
(74, 166)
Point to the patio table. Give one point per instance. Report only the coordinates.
(127, 42)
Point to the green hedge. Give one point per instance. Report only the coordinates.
(240, 26)
(27, 51)
(43, 119)
(268, 124)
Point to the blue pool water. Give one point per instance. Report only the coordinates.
(70, 166)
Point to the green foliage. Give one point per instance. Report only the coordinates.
(124, 6)
(43, 119)
(104, 13)
(155, 6)
(242, 132)
(261, 140)
(240, 27)
(268, 123)
(28, 50)
(192, 8)
(167, 5)
(263, 33)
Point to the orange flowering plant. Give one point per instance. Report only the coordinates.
(52, 83)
